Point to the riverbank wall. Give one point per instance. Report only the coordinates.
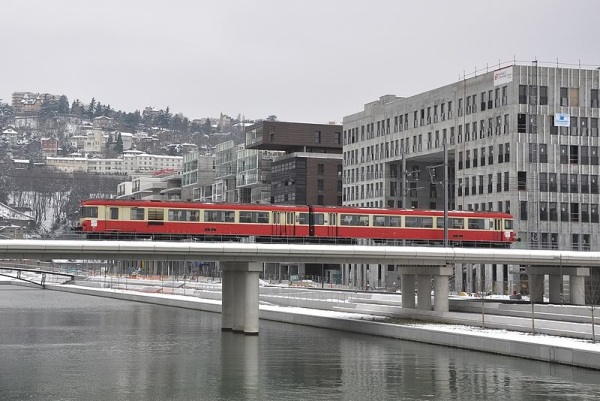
(522, 348)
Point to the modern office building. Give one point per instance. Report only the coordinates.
(521, 139)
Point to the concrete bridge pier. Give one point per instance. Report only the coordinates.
(239, 311)
(554, 288)
(577, 289)
(408, 291)
(576, 283)
(440, 276)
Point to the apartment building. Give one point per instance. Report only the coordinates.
(198, 176)
(522, 139)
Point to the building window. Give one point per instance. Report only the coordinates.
(506, 181)
(564, 211)
(564, 99)
(522, 181)
(317, 136)
(575, 212)
(564, 183)
(320, 168)
(543, 211)
(564, 154)
(523, 210)
(574, 97)
(553, 211)
(585, 213)
(522, 94)
(543, 95)
(522, 123)
(338, 136)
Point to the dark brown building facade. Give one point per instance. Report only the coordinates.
(311, 171)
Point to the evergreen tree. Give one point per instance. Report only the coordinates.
(164, 119)
(119, 144)
(63, 105)
(7, 114)
(91, 108)
(207, 127)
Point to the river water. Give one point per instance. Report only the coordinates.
(62, 346)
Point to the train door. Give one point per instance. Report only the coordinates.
(290, 224)
(498, 229)
(112, 218)
(277, 229)
(332, 226)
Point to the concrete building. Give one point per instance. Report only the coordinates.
(95, 140)
(198, 176)
(522, 139)
(309, 167)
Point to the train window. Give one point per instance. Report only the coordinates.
(354, 220)
(89, 212)
(418, 222)
(476, 224)
(302, 218)
(508, 224)
(318, 219)
(156, 214)
(254, 217)
(219, 216)
(114, 213)
(137, 213)
(183, 215)
(453, 222)
(387, 221)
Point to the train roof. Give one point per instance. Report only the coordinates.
(420, 212)
(295, 208)
(190, 205)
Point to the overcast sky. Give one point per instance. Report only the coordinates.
(305, 61)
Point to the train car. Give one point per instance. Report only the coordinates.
(415, 226)
(102, 218)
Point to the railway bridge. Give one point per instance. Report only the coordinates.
(241, 265)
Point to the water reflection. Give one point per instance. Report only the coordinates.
(63, 346)
(239, 366)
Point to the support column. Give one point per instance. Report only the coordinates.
(408, 291)
(240, 296)
(577, 289)
(441, 293)
(424, 292)
(576, 282)
(536, 287)
(239, 288)
(227, 301)
(251, 302)
(554, 285)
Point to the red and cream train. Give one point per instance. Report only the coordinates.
(126, 219)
